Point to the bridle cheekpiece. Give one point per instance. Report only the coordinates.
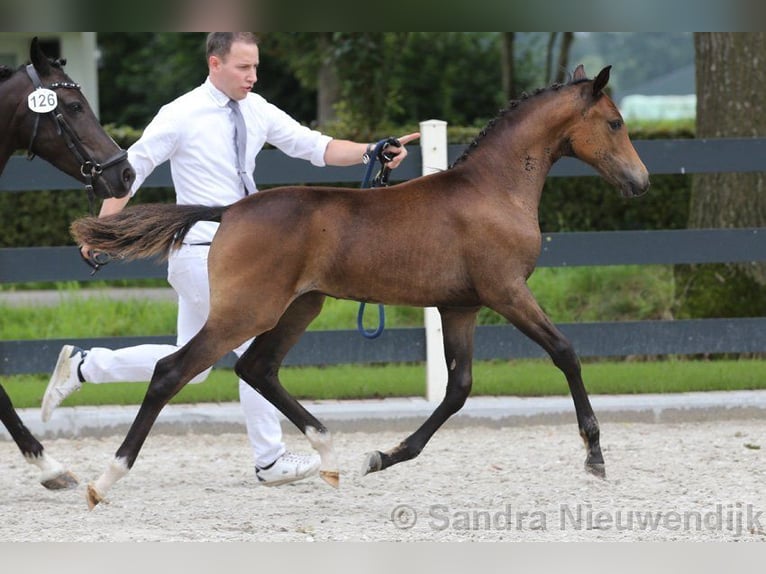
(89, 168)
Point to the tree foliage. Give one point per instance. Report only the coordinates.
(384, 78)
(141, 71)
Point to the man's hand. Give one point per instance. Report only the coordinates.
(399, 153)
(94, 259)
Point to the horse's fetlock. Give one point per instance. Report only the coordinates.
(590, 428)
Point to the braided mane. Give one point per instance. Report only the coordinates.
(6, 72)
(510, 108)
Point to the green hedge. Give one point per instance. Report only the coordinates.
(42, 218)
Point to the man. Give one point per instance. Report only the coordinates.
(211, 135)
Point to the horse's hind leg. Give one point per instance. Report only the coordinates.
(259, 367)
(53, 474)
(458, 326)
(527, 316)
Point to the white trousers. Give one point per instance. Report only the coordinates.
(187, 274)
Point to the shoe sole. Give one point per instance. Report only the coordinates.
(279, 482)
(282, 481)
(61, 370)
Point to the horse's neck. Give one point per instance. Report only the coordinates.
(8, 105)
(520, 150)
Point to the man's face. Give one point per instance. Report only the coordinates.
(236, 73)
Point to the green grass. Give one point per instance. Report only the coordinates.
(493, 378)
(617, 293)
(567, 294)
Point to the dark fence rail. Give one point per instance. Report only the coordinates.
(408, 345)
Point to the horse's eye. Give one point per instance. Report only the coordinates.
(615, 125)
(75, 107)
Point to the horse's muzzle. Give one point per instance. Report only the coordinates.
(115, 181)
(631, 189)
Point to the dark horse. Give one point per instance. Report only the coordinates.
(458, 240)
(70, 137)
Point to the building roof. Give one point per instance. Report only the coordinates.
(679, 82)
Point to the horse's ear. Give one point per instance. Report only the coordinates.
(579, 73)
(601, 80)
(38, 58)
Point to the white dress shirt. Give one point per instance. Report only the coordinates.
(196, 133)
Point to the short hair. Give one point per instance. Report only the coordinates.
(219, 43)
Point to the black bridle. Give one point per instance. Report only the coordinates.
(89, 168)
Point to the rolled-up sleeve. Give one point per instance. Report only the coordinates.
(294, 139)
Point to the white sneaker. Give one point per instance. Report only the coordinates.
(64, 381)
(288, 468)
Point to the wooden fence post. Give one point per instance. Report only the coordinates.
(433, 146)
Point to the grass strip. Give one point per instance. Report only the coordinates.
(492, 378)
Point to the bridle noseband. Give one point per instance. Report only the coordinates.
(89, 168)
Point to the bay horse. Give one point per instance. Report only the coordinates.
(66, 133)
(457, 240)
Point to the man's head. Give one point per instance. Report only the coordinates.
(232, 60)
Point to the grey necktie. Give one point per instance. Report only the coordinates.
(240, 145)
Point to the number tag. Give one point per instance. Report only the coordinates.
(42, 101)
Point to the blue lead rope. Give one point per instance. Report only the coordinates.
(381, 180)
(381, 322)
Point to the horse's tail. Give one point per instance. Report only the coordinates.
(140, 231)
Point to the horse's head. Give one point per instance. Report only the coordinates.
(60, 126)
(599, 137)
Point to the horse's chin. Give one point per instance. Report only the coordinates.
(632, 189)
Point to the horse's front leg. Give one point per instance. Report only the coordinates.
(170, 375)
(259, 367)
(527, 316)
(458, 327)
(53, 474)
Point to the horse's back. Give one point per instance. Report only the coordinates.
(344, 242)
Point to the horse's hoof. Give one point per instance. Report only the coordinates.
(63, 481)
(372, 462)
(331, 477)
(93, 496)
(596, 469)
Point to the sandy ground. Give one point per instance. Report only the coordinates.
(686, 481)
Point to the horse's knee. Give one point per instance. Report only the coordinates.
(164, 381)
(255, 371)
(458, 389)
(564, 357)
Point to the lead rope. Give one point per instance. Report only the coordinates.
(377, 153)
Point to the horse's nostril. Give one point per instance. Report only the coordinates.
(128, 175)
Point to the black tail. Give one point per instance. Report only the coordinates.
(141, 231)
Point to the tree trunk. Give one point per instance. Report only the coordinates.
(730, 85)
(328, 82)
(563, 61)
(506, 60)
(549, 56)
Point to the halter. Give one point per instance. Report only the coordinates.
(89, 168)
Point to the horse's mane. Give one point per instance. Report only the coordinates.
(511, 107)
(6, 72)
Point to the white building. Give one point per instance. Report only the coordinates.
(668, 97)
(79, 49)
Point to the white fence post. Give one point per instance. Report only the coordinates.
(433, 146)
